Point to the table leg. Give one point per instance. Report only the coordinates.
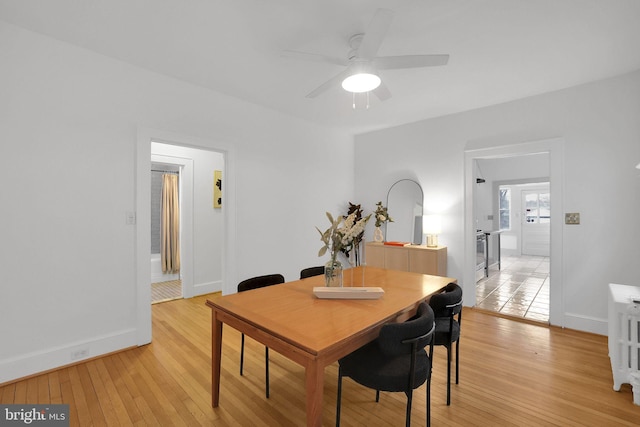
(498, 240)
(216, 358)
(314, 382)
(486, 255)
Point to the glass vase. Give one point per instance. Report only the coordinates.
(377, 235)
(333, 273)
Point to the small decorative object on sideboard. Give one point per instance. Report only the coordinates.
(377, 235)
(382, 216)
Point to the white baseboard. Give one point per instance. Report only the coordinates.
(160, 277)
(41, 361)
(586, 323)
(207, 288)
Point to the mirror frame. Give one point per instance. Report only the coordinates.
(413, 238)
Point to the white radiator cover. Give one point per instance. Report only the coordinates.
(624, 337)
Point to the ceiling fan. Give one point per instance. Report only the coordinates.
(362, 64)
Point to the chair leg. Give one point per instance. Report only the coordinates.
(266, 370)
(339, 397)
(429, 385)
(457, 357)
(241, 354)
(449, 375)
(377, 396)
(409, 400)
(266, 364)
(429, 401)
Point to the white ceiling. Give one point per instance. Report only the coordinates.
(500, 49)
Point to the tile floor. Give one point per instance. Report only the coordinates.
(166, 291)
(520, 288)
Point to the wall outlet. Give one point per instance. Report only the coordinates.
(572, 218)
(80, 354)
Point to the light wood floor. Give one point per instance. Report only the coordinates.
(511, 374)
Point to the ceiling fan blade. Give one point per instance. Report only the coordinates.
(375, 33)
(410, 61)
(382, 92)
(306, 56)
(334, 81)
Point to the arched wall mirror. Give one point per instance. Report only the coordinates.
(404, 203)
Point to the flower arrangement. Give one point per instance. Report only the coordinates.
(381, 215)
(355, 245)
(342, 234)
(345, 235)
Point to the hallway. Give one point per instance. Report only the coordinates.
(519, 289)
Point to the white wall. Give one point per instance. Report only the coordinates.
(69, 122)
(599, 125)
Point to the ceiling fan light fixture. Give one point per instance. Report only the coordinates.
(361, 82)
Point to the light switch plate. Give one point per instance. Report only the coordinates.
(131, 218)
(572, 218)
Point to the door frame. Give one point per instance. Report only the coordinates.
(142, 238)
(555, 149)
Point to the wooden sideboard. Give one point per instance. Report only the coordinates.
(413, 258)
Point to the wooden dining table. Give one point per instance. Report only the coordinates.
(290, 319)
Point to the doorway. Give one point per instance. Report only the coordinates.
(166, 282)
(519, 285)
(213, 252)
(201, 224)
(552, 150)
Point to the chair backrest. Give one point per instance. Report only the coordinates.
(311, 271)
(399, 338)
(448, 303)
(260, 282)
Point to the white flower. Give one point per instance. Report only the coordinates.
(342, 233)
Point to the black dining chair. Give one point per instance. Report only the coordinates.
(247, 285)
(311, 271)
(447, 307)
(395, 361)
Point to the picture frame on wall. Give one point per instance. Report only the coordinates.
(217, 189)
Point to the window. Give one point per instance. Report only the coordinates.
(538, 208)
(505, 208)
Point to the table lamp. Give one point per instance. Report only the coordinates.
(431, 227)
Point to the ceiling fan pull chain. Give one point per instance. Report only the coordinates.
(359, 98)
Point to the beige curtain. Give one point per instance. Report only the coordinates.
(170, 235)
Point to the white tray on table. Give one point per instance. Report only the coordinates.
(360, 292)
